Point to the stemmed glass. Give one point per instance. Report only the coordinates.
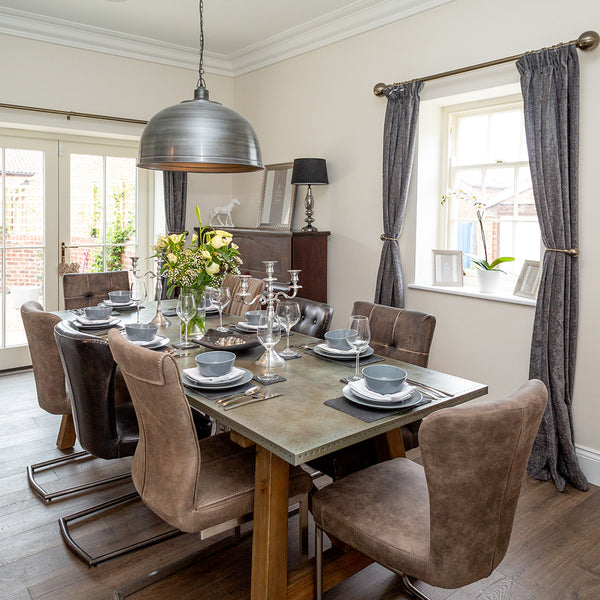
(359, 339)
(220, 297)
(138, 294)
(186, 309)
(288, 314)
(268, 334)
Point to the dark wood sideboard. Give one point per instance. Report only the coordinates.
(292, 250)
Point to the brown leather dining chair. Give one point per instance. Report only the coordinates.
(397, 333)
(88, 289)
(315, 317)
(105, 421)
(205, 485)
(448, 522)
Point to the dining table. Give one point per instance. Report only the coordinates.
(309, 419)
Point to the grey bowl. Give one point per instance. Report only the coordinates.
(384, 379)
(215, 364)
(120, 296)
(253, 316)
(140, 332)
(337, 338)
(97, 313)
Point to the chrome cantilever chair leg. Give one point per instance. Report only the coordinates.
(49, 496)
(411, 589)
(92, 561)
(318, 563)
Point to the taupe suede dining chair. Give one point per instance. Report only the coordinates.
(88, 289)
(397, 333)
(255, 288)
(204, 486)
(448, 522)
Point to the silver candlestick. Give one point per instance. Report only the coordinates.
(268, 299)
(159, 319)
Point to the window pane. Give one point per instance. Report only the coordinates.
(120, 201)
(528, 240)
(505, 136)
(468, 181)
(499, 193)
(87, 199)
(89, 259)
(525, 201)
(472, 139)
(24, 197)
(24, 276)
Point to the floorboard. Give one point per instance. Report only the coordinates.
(553, 553)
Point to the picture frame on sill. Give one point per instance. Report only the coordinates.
(277, 199)
(528, 282)
(448, 268)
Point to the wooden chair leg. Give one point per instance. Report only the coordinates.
(66, 433)
(303, 526)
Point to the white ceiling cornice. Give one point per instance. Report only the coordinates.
(335, 26)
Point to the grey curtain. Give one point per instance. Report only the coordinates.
(175, 186)
(400, 131)
(550, 85)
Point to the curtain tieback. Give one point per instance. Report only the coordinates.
(383, 238)
(574, 252)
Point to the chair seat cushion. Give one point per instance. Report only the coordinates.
(227, 482)
(382, 511)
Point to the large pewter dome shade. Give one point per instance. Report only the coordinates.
(202, 136)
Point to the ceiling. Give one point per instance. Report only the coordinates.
(240, 35)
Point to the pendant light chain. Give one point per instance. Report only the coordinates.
(201, 82)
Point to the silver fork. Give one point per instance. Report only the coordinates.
(253, 392)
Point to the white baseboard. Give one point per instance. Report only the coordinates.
(589, 461)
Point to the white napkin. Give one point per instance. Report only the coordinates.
(244, 325)
(85, 321)
(154, 340)
(118, 304)
(195, 375)
(361, 387)
(327, 348)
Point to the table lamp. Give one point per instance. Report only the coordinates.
(309, 171)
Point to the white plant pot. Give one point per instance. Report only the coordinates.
(488, 281)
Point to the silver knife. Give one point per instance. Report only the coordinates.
(237, 404)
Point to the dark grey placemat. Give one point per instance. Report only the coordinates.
(270, 381)
(218, 394)
(351, 364)
(365, 414)
(291, 357)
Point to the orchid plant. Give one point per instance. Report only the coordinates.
(479, 208)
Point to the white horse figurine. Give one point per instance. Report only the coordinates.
(223, 211)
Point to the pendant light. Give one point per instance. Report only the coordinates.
(199, 135)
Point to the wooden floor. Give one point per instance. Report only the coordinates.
(554, 552)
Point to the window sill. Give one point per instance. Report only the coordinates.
(472, 292)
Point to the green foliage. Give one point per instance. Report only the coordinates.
(485, 266)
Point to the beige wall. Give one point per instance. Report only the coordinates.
(321, 104)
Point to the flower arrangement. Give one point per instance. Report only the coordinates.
(204, 263)
(479, 208)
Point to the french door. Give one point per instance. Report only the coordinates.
(86, 194)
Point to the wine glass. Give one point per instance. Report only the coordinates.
(138, 294)
(221, 297)
(288, 314)
(268, 334)
(186, 309)
(359, 339)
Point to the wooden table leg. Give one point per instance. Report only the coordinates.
(389, 445)
(66, 433)
(269, 541)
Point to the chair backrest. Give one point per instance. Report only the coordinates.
(47, 368)
(166, 464)
(91, 375)
(88, 289)
(255, 288)
(475, 457)
(398, 333)
(315, 318)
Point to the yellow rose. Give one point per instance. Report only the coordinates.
(194, 239)
(171, 258)
(218, 242)
(222, 233)
(205, 254)
(161, 242)
(212, 269)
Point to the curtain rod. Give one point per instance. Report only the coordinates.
(586, 41)
(70, 113)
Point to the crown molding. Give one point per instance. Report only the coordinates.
(351, 20)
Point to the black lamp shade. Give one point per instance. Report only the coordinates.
(309, 171)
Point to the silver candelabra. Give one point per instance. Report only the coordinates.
(269, 298)
(159, 319)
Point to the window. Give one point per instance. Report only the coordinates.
(487, 160)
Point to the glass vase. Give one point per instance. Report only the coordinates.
(197, 326)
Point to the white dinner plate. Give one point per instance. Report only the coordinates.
(246, 377)
(364, 395)
(367, 352)
(112, 304)
(158, 341)
(415, 399)
(102, 325)
(231, 379)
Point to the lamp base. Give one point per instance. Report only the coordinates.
(309, 228)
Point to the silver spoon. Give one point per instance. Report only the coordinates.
(249, 392)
